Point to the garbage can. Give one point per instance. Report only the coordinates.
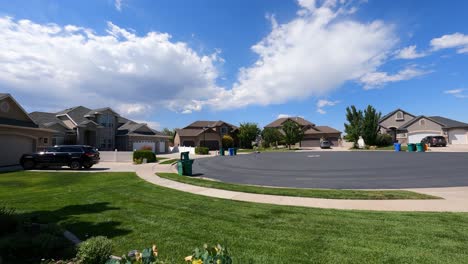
(419, 147)
(411, 147)
(235, 151)
(221, 151)
(184, 155)
(180, 168)
(231, 151)
(397, 147)
(187, 167)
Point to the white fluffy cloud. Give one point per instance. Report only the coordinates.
(374, 80)
(118, 5)
(457, 41)
(322, 103)
(459, 93)
(58, 67)
(311, 55)
(410, 52)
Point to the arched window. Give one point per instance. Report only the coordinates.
(399, 115)
(422, 122)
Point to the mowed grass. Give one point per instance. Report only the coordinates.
(316, 193)
(168, 161)
(136, 214)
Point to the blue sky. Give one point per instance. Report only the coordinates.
(169, 63)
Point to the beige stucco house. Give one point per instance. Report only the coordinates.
(102, 128)
(312, 133)
(408, 128)
(205, 134)
(19, 134)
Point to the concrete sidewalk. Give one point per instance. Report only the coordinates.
(454, 199)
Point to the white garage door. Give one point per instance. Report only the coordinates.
(417, 137)
(144, 145)
(458, 136)
(16, 146)
(162, 147)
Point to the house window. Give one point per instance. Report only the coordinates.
(399, 115)
(422, 122)
(224, 130)
(46, 140)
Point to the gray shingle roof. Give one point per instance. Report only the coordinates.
(44, 119)
(202, 124)
(449, 123)
(393, 112)
(322, 130)
(279, 122)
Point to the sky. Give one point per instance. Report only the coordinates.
(171, 62)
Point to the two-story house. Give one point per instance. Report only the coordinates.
(102, 128)
(204, 134)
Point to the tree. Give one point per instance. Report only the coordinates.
(248, 132)
(293, 132)
(227, 141)
(171, 133)
(370, 126)
(353, 128)
(271, 135)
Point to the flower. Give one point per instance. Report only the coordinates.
(188, 258)
(155, 250)
(198, 261)
(138, 256)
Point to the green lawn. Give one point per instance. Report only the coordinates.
(169, 161)
(135, 214)
(160, 158)
(316, 193)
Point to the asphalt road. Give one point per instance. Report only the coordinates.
(340, 170)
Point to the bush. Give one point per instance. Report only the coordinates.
(384, 140)
(227, 141)
(144, 154)
(95, 250)
(202, 150)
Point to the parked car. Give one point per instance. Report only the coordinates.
(75, 157)
(325, 144)
(435, 141)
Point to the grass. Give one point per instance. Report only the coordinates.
(267, 150)
(169, 161)
(160, 158)
(135, 214)
(316, 193)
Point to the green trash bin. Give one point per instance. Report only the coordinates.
(184, 155)
(411, 147)
(180, 168)
(235, 151)
(187, 167)
(221, 151)
(419, 147)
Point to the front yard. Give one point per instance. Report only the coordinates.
(135, 214)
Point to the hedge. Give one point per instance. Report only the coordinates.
(144, 154)
(202, 150)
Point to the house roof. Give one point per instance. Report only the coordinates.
(189, 132)
(3, 95)
(393, 112)
(202, 124)
(77, 113)
(45, 119)
(99, 110)
(322, 130)
(412, 121)
(449, 123)
(14, 122)
(279, 122)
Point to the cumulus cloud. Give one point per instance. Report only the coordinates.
(378, 79)
(322, 103)
(457, 41)
(459, 93)
(409, 52)
(313, 54)
(283, 116)
(63, 66)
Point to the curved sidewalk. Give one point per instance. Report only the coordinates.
(455, 199)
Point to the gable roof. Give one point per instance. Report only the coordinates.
(393, 112)
(99, 110)
(449, 123)
(77, 113)
(279, 122)
(325, 130)
(44, 119)
(211, 124)
(412, 121)
(14, 122)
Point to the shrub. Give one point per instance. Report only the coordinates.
(95, 250)
(144, 154)
(202, 150)
(227, 141)
(384, 140)
(215, 254)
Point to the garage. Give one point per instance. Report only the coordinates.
(144, 145)
(211, 144)
(310, 143)
(458, 136)
(16, 145)
(418, 136)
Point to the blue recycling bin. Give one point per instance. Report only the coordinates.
(231, 151)
(397, 147)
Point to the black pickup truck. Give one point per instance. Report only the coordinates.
(74, 156)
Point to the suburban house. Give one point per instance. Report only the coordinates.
(312, 133)
(204, 134)
(408, 128)
(102, 128)
(19, 134)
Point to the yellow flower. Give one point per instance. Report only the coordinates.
(218, 261)
(198, 261)
(188, 258)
